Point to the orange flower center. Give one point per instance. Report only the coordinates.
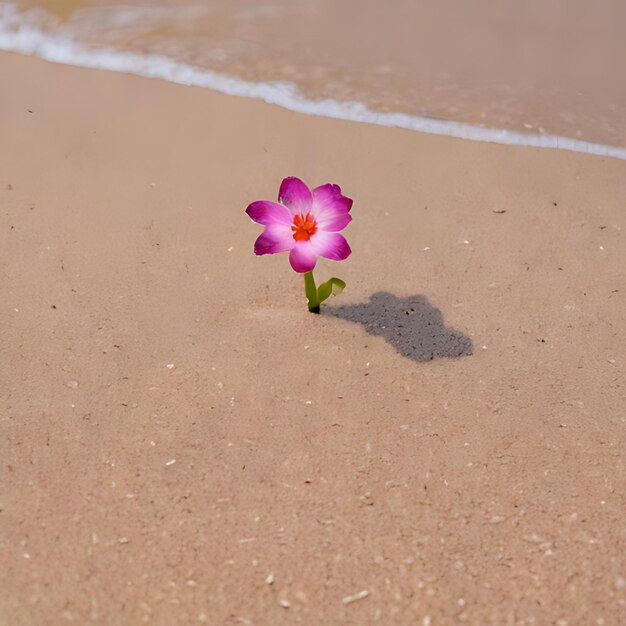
(303, 227)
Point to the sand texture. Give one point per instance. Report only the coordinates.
(182, 442)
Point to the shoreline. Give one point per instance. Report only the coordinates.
(29, 41)
(183, 442)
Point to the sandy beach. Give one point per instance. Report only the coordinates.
(182, 442)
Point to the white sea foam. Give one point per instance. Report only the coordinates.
(27, 39)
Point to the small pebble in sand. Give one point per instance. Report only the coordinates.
(123, 540)
(170, 366)
(285, 603)
(72, 384)
(170, 462)
(357, 596)
(270, 579)
(230, 249)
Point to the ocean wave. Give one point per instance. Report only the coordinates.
(22, 37)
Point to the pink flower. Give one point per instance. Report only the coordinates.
(306, 224)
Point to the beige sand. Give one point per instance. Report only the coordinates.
(183, 443)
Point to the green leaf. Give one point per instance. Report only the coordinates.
(311, 292)
(332, 286)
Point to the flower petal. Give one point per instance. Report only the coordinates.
(334, 220)
(265, 212)
(275, 238)
(302, 257)
(295, 195)
(330, 245)
(330, 208)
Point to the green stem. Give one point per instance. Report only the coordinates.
(311, 292)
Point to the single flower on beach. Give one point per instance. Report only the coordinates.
(306, 224)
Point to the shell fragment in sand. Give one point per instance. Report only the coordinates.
(357, 596)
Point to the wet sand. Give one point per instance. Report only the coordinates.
(182, 442)
(533, 67)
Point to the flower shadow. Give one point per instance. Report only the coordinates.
(413, 326)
